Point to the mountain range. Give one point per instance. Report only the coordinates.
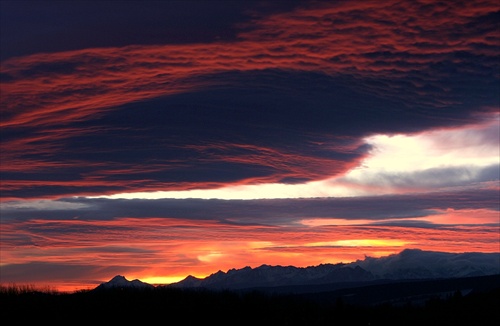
(409, 264)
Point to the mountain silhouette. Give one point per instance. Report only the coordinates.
(120, 282)
(409, 264)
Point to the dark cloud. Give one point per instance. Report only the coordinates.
(259, 129)
(287, 100)
(29, 26)
(268, 211)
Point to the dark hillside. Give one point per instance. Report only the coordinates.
(168, 306)
(414, 292)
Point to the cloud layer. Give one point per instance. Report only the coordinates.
(203, 114)
(350, 128)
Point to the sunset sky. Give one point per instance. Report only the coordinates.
(161, 139)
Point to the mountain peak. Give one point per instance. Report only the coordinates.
(118, 278)
(119, 281)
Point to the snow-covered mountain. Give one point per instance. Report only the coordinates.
(410, 264)
(120, 281)
(418, 264)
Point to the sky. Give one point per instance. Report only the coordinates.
(161, 139)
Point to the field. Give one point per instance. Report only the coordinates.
(170, 306)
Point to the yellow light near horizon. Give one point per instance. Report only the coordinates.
(162, 279)
(211, 256)
(260, 244)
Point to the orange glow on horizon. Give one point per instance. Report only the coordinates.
(166, 250)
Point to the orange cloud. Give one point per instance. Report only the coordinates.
(363, 39)
(388, 53)
(170, 248)
(425, 57)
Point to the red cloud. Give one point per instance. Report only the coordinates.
(361, 38)
(177, 247)
(378, 43)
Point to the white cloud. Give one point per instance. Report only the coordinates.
(397, 164)
(42, 204)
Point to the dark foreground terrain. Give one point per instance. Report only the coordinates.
(479, 304)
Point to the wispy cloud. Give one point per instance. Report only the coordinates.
(148, 247)
(312, 126)
(436, 72)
